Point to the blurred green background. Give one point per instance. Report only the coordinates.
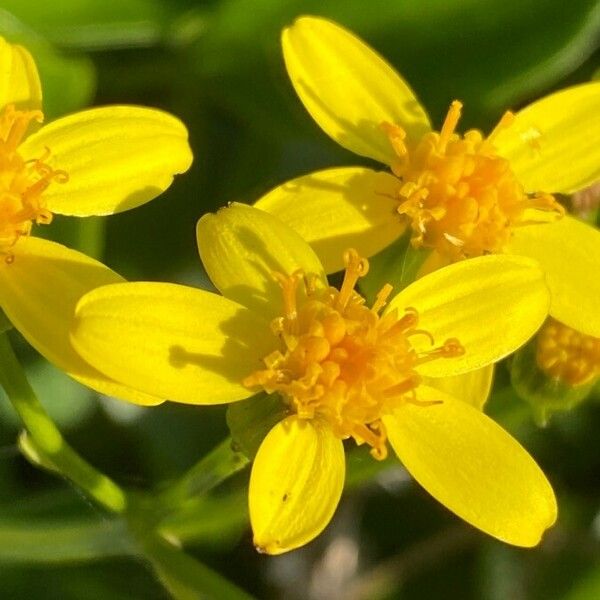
(217, 65)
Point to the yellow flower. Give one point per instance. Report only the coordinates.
(94, 162)
(556, 371)
(566, 355)
(462, 195)
(343, 369)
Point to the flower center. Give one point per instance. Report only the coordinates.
(567, 355)
(22, 182)
(341, 360)
(463, 199)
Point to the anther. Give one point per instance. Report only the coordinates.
(356, 267)
(409, 320)
(452, 348)
(341, 361)
(508, 118)
(289, 286)
(449, 125)
(382, 297)
(396, 135)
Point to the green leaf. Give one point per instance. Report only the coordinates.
(63, 541)
(250, 420)
(211, 470)
(69, 403)
(491, 55)
(586, 587)
(210, 520)
(96, 24)
(186, 578)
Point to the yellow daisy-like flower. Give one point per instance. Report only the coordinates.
(343, 369)
(462, 195)
(94, 162)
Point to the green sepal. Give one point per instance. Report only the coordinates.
(250, 420)
(398, 265)
(545, 395)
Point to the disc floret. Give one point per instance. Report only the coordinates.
(22, 182)
(343, 361)
(568, 355)
(461, 198)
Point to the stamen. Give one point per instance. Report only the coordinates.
(340, 360)
(382, 297)
(356, 267)
(449, 125)
(423, 333)
(22, 182)
(451, 348)
(460, 197)
(288, 286)
(396, 135)
(16, 123)
(505, 122)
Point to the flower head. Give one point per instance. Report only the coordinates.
(566, 355)
(556, 371)
(94, 162)
(461, 195)
(344, 370)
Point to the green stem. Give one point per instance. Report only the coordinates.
(214, 468)
(48, 439)
(91, 236)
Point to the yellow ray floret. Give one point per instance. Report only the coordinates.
(462, 195)
(94, 162)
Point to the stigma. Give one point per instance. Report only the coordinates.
(343, 361)
(459, 196)
(22, 182)
(567, 355)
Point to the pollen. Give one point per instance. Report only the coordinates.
(22, 182)
(460, 197)
(568, 355)
(343, 361)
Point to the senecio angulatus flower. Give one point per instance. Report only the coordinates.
(566, 355)
(344, 369)
(95, 162)
(462, 195)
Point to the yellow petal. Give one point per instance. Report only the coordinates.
(184, 344)
(492, 304)
(348, 89)
(39, 291)
(116, 157)
(553, 143)
(337, 209)
(569, 252)
(19, 80)
(473, 387)
(241, 247)
(472, 466)
(295, 485)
